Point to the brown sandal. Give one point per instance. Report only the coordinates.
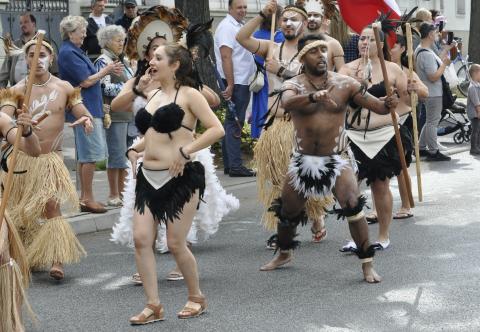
(189, 312)
(151, 313)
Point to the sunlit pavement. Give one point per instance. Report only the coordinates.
(431, 273)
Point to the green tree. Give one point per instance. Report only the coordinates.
(198, 11)
(473, 44)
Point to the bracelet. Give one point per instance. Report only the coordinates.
(130, 149)
(280, 71)
(262, 15)
(8, 132)
(29, 133)
(183, 154)
(138, 92)
(311, 98)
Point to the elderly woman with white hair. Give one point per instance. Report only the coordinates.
(76, 68)
(111, 39)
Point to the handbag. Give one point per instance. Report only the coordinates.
(257, 79)
(448, 99)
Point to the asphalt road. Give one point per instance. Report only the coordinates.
(431, 274)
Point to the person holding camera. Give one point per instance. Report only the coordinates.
(430, 68)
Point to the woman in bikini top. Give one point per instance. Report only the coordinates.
(167, 122)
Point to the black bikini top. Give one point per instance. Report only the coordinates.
(165, 119)
(378, 90)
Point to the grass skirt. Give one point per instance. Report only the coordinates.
(14, 278)
(46, 179)
(272, 156)
(55, 243)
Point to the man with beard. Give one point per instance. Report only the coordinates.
(317, 101)
(319, 11)
(272, 151)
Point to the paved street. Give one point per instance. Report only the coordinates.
(431, 274)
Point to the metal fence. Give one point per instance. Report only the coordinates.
(48, 14)
(37, 6)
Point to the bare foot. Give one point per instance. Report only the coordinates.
(282, 259)
(369, 274)
(56, 272)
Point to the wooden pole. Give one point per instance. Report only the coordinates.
(272, 34)
(413, 101)
(394, 116)
(13, 157)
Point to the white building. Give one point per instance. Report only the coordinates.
(456, 11)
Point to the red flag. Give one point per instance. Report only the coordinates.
(360, 13)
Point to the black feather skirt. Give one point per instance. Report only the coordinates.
(386, 164)
(166, 203)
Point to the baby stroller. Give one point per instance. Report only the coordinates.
(455, 120)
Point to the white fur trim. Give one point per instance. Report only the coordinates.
(206, 221)
(314, 167)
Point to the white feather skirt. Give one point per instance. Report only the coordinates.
(216, 205)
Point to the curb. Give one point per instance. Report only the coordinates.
(85, 223)
(90, 223)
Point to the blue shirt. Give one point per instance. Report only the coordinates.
(75, 67)
(265, 34)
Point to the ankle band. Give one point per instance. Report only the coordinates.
(366, 260)
(356, 217)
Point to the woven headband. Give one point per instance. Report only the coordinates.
(34, 41)
(295, 9)
(310, 46)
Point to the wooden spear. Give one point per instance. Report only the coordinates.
(272, 34)
(394, 116)
(413, 101)
(13, 157)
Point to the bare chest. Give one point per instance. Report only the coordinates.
(45, 99)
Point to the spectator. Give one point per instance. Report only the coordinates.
(430, 69)
(76, 68)
(260, 98)
(28, 25)
(111, 40)
(473, 108)
(129, 13)
(235, 65)
(14, 68)
(423, 15)
(96, 20)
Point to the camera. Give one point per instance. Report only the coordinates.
(449, 37)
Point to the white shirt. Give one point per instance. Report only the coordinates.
(242, 59)
(100, 20)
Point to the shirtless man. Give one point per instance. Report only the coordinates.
(12, 262)
(272, 151)
(319, 11)
(317, 101)
(46, 184)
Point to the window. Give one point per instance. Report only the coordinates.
(461, 7)
(442, 6)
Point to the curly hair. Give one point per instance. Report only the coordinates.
(108, 33)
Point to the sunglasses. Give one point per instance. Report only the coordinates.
(130, 7)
